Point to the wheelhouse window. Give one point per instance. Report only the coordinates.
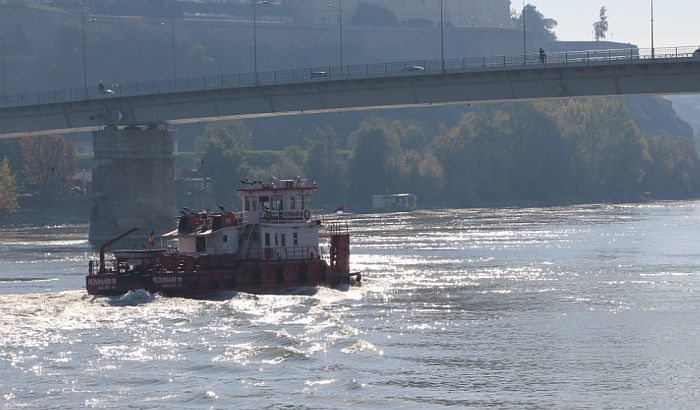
(276, 203)
(251, 203)
(201, 244)
(264, 202)
(304, 201)
(267, 238)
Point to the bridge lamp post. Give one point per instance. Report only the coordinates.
(172, 31)
(84, 55)
(653, 53)
(255, 37)
(524, 37)
(442, 36)
(340, 23)
(2, 64)
(172, 43)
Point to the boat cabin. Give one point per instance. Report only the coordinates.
(276, 224)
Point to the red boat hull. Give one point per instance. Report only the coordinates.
(250, 277)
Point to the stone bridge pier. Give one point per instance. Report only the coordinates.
(133, 184)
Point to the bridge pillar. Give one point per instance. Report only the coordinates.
(133, 184)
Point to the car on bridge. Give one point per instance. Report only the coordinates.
(318, 74)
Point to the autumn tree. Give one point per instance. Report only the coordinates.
(8, 189)
(48, 162)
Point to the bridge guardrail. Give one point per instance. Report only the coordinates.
(358, 71)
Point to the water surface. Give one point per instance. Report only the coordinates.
(571, 307)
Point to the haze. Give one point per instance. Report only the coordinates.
(675, 20)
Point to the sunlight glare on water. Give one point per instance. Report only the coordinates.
(573, 307)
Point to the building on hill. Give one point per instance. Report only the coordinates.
(457, 13)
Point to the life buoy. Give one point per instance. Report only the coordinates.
(307, 214)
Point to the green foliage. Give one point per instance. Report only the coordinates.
(605, 149)
(674, 170)
(374, 147)
(541, 27)
(8, 189)
(48, 163)
(222, 148)
(369, 14)
(546, 152)
(326, 164)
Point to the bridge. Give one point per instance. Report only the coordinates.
(133, 173)
(357, 87)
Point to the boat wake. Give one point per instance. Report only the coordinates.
(132, 298)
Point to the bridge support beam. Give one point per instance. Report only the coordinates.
(133, 184)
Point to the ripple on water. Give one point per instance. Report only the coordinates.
(582, 306)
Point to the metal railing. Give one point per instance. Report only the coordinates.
(285, 253)
(349, 72)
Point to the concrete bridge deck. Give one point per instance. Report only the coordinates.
(358, 87)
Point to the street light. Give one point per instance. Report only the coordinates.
(340, 22)
(255, 38)
(524, 38)
(442, 35)
(172, 45)
(2, 64)
(652, 30)
(172, 29)
(84, 57)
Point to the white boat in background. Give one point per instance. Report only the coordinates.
(394, 202)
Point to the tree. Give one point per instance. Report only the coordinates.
(606, 151)
(368, 14)
(374, 147)
(542, 28)
(601, 26)
(674, 168)
(48, 163)
(292, 163)
(501, 152)
(8, 189)
(222, 148)
(325, 165)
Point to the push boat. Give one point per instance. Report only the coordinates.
(270, 247)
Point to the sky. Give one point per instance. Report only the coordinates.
(676, 22)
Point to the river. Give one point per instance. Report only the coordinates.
(592, 306)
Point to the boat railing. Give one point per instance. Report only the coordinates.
(337, 228)
(111, 266)
(275, 216)
(286, 253)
